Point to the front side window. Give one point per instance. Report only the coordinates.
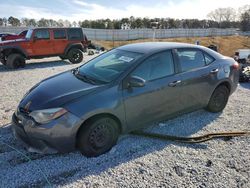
(109, 66)
(190, 59)
(59, 34)
(29, 34)
(42, 34)
(157, 66)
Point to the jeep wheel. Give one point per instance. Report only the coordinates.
(218, 100)
(75, 56)
(15, 61)
(98, 136)
(3, 61)
(62, 57)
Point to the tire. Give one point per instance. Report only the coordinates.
(15, 61)
(75, 56)
(218, 100)
(3, 61)
(62, 57)
(97, 136)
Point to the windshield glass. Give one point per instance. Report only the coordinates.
(29, 34)
(109, 66)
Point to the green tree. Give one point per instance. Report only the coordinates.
(245, 21)
(14, 21)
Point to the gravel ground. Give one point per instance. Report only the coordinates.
(134, 161)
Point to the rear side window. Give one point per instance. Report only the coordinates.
(208, 59)
(156, 66)
(75, 34)
(59, 34)
(190, 59)
(42, 34)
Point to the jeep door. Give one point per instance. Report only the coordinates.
(59, 40)
(160, 95)
(41, 44)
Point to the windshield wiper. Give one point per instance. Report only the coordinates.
(85, 77)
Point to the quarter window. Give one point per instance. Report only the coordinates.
(42, 34)
(190, 59)
(75, 34)
(59, 34)
(156, 66)
(208, 59)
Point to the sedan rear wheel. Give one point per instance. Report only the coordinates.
(97, 136)
(218, 100)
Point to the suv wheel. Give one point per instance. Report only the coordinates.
(62, 57)
(218, 99)
(15, 61)
(98, 136)
(3, 61)
(75, 56)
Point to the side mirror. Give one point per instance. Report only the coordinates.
(135, 81)
(34, 38)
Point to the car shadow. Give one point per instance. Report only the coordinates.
(245, 85)
(129, 148)
(35, 65)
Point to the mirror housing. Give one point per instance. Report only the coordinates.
(34, 38)
(135, 81)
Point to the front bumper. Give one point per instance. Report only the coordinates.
(57, 136)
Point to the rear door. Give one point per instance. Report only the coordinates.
(158, 98)
(41, 44)
(198, 76)
(59, 40)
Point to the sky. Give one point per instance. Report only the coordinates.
(76, 10)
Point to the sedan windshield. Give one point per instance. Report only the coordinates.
(108, 66)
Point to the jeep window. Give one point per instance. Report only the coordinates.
(59, 34)
(42, 34)
(75, 34)
(29, 34)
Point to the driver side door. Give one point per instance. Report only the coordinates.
(41, 43)
(159, 97)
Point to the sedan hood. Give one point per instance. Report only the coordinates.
(55, 91)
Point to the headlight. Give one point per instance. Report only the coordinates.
(45, 116)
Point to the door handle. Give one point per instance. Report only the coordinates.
(173, 84)
(214, 71)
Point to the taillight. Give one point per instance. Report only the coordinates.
(236, 65)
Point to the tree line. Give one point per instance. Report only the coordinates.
(219, 18)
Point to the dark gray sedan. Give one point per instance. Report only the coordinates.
(119, 91)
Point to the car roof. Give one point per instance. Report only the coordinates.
(153, 47)
(56, 28)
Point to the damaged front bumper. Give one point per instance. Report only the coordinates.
(57, 136)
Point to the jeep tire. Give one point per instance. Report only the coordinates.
(3, 61)
(75, 55)
(62, 57)
(15, 61)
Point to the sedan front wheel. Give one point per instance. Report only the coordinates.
(97, 136)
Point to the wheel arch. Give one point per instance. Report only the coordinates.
(9, 50)
(70, 46)
(225, 83)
